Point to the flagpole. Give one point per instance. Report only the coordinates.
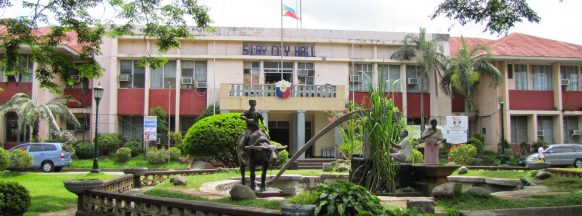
(297, 20)
(281, 48)
(300, 15)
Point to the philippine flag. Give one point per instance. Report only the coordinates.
(288, 11)
(283, 89)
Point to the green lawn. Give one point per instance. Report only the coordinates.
(47, 191)
(137, 161)
(555, 183)
(470, 202)
(572, 169)
(509, 174)
(258, 203)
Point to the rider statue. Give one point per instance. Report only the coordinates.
(252, 118)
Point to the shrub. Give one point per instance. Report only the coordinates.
(176, 139)
(478, 143)
(462, 154)
(282, 156)
(84, 149)
(416, 156)
(306, 198)
(123, 154)
(174, 153)
(14, 199)
(538, 144)
(4, 159)
(135, 146)
(158, 156)
(215, 136)
(20, 159)
(347, 199)
(108, 143)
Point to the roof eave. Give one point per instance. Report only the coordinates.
(536, 58)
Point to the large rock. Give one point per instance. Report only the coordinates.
(463, 170)
(423, 205)
(327, 167)
(446, 190)
(479, 191)
(178, 180)
(241, 192)
(542, 175)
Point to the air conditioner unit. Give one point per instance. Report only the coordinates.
(187, 80)
(540, 133)
(576, 133)
(354, 78)
(201, 84)
(565, 82)
(302, 72)
(76, 78)
(124, 78)
(412, 81)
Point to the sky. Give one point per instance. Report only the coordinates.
(559, 18)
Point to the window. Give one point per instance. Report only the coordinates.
(83, 120)
(306, 74)
(360, 77)
(541, 77)
(35, 148)
(570, 73)
(132, 127)
(251, 72)
(520, 74)
(518, 129)
(164, 76)
(414, 72)
(25, 74)
(390, 75)
(12, 132)
(570, 124)
(135, 73)
(186, 122)
(509, 71)
(200, 71)
(48, 147)
(545, 123)
(275, 73)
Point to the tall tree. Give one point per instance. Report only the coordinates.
(30, 114)
(74, 21)
(499, 15)
(429, 60)
(464, 72)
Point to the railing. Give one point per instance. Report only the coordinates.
(109, 203)
(118, 185)
(268, 90)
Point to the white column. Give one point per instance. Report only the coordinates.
(146, 101)
(178, 87)
(300, 127)
(403, 82)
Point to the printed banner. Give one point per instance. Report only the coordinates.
(150, 125)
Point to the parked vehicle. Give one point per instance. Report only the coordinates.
(47, 156)
(560, 155)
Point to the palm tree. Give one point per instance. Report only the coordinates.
(29, 114)
(464, 72)
(429, 59)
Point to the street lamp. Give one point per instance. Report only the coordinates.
(97, 93)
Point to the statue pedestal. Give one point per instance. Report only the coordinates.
(269, 192)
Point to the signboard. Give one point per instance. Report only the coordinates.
(150, 126)
(457, 128)
(276, 50)
(283, 89)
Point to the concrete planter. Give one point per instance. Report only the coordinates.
(80, 186)
(542, 165)
(288, 209)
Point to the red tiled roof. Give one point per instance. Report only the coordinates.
(70, 41)
(523, 45)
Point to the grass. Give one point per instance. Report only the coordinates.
(572, 169)
(555, 183)
(509, 174)
(471, 202)
(137, 161)
(47, 191)
(257, 203)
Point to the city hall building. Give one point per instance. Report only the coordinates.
(325, 69)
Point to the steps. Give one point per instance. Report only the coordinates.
(312, 163)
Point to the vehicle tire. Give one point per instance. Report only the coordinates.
(578, 163)
(47, 166)
(58, 169)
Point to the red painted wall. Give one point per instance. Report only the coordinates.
(192, 101)
(572, 100)
(458, 103)
(84, 99)
(11, 88)
(414, 104)
(363, 98)
(159, 98)
(130, 101)
(531, 100)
